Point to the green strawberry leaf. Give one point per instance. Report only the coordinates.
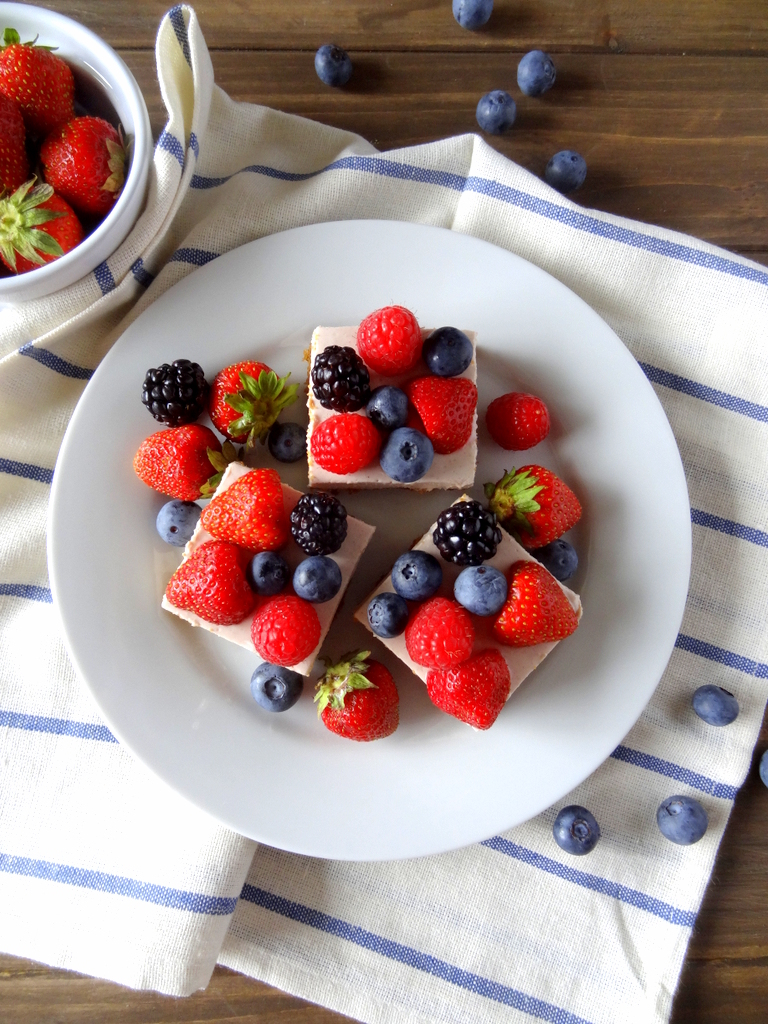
(340, 679)
(11, 37)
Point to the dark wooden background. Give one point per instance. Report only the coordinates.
(668, 103)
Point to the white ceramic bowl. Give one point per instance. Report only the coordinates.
(101, 79)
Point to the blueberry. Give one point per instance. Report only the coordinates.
(558, 557)
(317, 579)
(566, 171)
(416, 575)
(496, 112)
(287, 441)
(764, 767)
(472, 14)
(276, 688)
(333, 65)
(387, 614)
(176, 522)
(536, 73)
(447, 352)
(575, 830)
(715, 705)
(267, 573)
(682, 820)
(406, 455)
(481, 589)
(388, 407)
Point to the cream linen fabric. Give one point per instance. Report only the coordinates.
(105, 871)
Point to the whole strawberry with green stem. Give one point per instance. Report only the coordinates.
(534, 504)
(178, 461)
(14, 164)
(358, 699)
(84, 160)
(38, 80)
(36, 226)
(246, 398)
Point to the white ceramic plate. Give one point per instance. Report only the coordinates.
(179, 698)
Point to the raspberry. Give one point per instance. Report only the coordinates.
(285, 630)
(389, 340)
(440, 634)
(340, 379)
(345, 443)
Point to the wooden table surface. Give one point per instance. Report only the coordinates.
(668, 103)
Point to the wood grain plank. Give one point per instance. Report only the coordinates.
(626, 26)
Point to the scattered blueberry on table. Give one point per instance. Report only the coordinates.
(447, 352)
(566, 171)
(575, 830)
(481, 589)
(714, 705)
(267, 573)
(406, 455)
(682, 820)
(317, 579)
(388, 407)
(176, 521)
(416, 575)
(764, 768)
(287, 442)
(558, 557)
(387, 614)
(496, 112)
(276, 688)
(333, 65)
(472, 14)
(536, 73)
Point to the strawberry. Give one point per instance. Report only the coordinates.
(535, 504)
(246, 398)
(446, 406)
(212, 584)
(39, 81)
(358, 699)
(285, 630)
(345, 443)
(177, 462)
(474, 691)
(517, 421)
(250, 512)
(389, 340)
(14, 165)
(84, 161)
(439, 634)
(536, 611)
(36, 226)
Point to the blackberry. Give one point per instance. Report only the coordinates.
(319, 523)
(466, 533)
(340, 379)
(175, 393)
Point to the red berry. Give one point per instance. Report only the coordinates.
(39, 81)
(175, 462)
(474, 691)
(212, 584)
(389, 340)
(36, 226)
(246, 398)
(439, 634)
(250, 512)
(517, 421)
(84, 161)
(446, 406)
(345, 443)
(358, 699)
(285, 630)
(534, 503)
(14, 165)
(537, 611)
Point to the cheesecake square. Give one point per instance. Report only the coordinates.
(347, 557)
(447, 472)
(521, 661)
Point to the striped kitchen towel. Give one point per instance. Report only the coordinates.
(105, 871)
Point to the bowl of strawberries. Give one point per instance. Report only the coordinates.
(75, 152)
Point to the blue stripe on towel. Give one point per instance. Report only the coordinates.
(56, 726)
(176, 17)
(410, 957)
(27, 591)
(148, 892)
(197, 257)
(55, 363)
(675, 771)
(171, 145)
(104, 277)
(706, 394)
(633, 897)
(720, 654)
(728, 526)
(142, 275)
(27, 470)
